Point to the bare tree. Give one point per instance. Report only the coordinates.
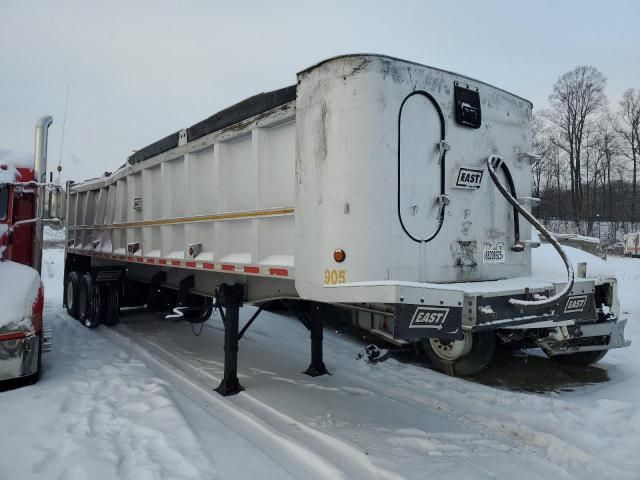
(577, 97)
(629, 128)
(608, 145)
(540, 141)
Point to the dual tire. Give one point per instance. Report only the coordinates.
(462, 357)
(89, 302)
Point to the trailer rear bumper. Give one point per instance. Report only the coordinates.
(588, 337)
(446, 311)
(422, 293)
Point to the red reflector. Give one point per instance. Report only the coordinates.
(281, 272)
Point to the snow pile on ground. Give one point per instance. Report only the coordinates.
(15, 279)
(96, 413)
(546, 263)
(102, 415)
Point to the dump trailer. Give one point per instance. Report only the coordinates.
(396, 191)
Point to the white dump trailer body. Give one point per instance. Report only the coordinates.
(364, 185)
(277, 194)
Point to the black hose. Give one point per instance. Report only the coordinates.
(512, 188)
(495, 161)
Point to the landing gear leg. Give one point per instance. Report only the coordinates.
(317, 367)
(230, 297)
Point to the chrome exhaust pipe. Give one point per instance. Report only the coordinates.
(40, 174)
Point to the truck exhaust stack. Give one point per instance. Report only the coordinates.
(40, 176)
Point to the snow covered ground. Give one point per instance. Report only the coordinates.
(136, 402)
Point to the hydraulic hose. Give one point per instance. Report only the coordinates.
(493, 163)
(512, 190)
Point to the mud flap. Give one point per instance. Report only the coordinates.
(412, 322)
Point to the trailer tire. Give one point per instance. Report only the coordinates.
(110, 303)
(456, 358)
(88, 302)
(71, 286)
(579, 359)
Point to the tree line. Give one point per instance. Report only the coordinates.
(589, 152)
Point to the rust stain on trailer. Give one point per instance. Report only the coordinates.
(322, 132)
(356, 67)
(464, 254)
(390, 69)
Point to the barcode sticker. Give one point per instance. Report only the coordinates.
(493, 253)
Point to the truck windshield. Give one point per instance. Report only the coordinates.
(4, 202)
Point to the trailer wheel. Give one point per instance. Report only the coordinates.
(71, 293)
(88, 302)
(579, 359)
(110, 304)
(461, 357)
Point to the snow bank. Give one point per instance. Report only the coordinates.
(546, 263)
(19, 286)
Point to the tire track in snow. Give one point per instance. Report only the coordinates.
(333, 457)
(98, 413)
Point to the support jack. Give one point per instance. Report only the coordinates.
(317, 366)
(230, 297)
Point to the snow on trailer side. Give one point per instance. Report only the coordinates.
(375, 184)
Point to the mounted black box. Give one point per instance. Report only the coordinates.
(467, 101)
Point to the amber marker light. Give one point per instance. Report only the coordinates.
(339, 255)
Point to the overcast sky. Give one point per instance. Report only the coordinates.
(139, 70)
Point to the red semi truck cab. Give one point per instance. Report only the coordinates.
(22, 206)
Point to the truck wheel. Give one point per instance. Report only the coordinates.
(71, 293)
(88, 302)
(110, 304)
(461, 357)
(579, 359)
